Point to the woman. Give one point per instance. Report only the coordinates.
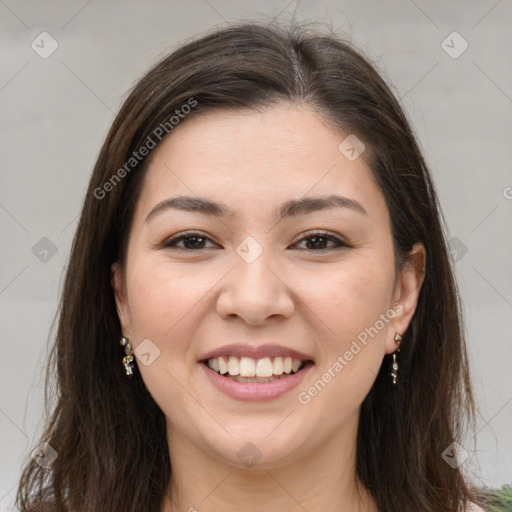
(259, 311)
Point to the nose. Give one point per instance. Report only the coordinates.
(255, 292)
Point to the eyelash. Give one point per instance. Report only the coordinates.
(171, 243)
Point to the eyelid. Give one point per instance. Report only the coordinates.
(171, 241)
(336, 239)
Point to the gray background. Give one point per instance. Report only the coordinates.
(56, 112)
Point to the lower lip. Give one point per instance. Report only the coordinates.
(256, 391)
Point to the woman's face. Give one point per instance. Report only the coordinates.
(271, 271)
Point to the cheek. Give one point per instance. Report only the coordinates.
(354, 308)
(340, 300)
(348, 303)
(349, 299)
(164, 298)
(165, 302)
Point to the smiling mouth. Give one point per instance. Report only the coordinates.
(247, 369)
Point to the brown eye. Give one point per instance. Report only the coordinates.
(191, 241)
(318, 242)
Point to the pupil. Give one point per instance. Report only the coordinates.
(196, 238)
(316, 244)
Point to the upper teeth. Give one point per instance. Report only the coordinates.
(249, 367)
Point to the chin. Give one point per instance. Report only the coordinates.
(255, 448)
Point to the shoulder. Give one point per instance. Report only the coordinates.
(474, 508)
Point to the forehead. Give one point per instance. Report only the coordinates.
(256, 159)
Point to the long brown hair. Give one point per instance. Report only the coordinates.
(108, 432)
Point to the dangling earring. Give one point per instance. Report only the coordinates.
(394, 365)
(128, 359)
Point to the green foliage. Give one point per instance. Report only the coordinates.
(501, 500)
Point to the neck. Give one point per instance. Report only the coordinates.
(319, 481)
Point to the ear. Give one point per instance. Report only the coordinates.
(407, 290)
(117, 282)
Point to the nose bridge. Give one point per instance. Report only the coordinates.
(253, 291)
(256, 274)
(252, 275)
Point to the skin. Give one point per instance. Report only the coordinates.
(189, 302)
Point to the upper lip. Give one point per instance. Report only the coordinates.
(255, 352)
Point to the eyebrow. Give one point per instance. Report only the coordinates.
(291, 208)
